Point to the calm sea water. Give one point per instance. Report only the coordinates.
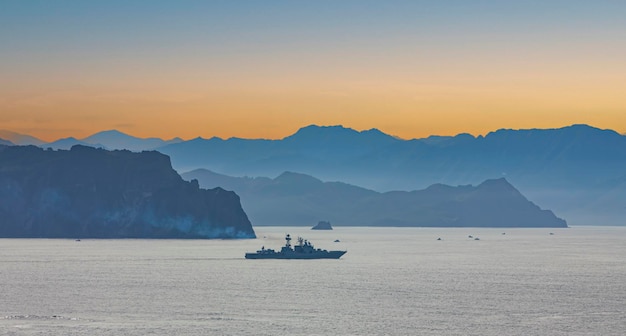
(400, 281)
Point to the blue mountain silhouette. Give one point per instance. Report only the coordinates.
(564, 169)
(300, 199)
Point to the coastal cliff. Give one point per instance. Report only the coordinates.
(94, 193)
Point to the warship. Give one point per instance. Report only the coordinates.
(303, 250)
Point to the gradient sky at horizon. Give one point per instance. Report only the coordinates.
(263, 69)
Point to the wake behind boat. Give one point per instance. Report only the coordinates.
(303, 250)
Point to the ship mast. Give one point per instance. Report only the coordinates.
(288, 239)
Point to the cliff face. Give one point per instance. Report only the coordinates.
(94, 193)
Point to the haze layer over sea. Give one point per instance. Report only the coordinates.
(392, 281)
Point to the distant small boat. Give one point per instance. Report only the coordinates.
(551, 233)
(439, 238)
(470, 236)
(336, 240)
(77, 240)
(476, 238)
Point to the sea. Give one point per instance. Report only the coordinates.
(392, 281)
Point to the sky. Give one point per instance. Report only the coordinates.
(263, 69)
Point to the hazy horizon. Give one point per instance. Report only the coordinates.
(7, 132)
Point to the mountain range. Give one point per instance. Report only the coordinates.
(111, 140)
(578, 171)
(298, 199)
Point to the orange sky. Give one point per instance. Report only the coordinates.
(275, 109)
(408, 70)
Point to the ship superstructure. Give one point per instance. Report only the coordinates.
(302, 250)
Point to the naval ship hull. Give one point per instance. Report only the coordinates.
(280, 255)
(303, 250)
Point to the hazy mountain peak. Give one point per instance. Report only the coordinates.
(439, 140)
(338, 133)
(465, 136)
(112, 132)
(496, 183)
(114, 139)
(575, 128)
(69, 142)
(296, 177)
(374, 131)
(205, 172)
(435, 139)
(438, 187)
(587, 129)
(581, 126)
(569, 138)
(20, 139)
(108, 135)
(316, 130)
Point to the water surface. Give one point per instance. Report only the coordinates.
(399, 281)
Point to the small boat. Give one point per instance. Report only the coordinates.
(303, 250)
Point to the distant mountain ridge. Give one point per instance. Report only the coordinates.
(111, 139)
(68, 143)
(577, 171)
(20, 139)
(299, 199)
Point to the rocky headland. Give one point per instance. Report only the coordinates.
(94, 193)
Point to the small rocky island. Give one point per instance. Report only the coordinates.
(322, 225)
(94, 193)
